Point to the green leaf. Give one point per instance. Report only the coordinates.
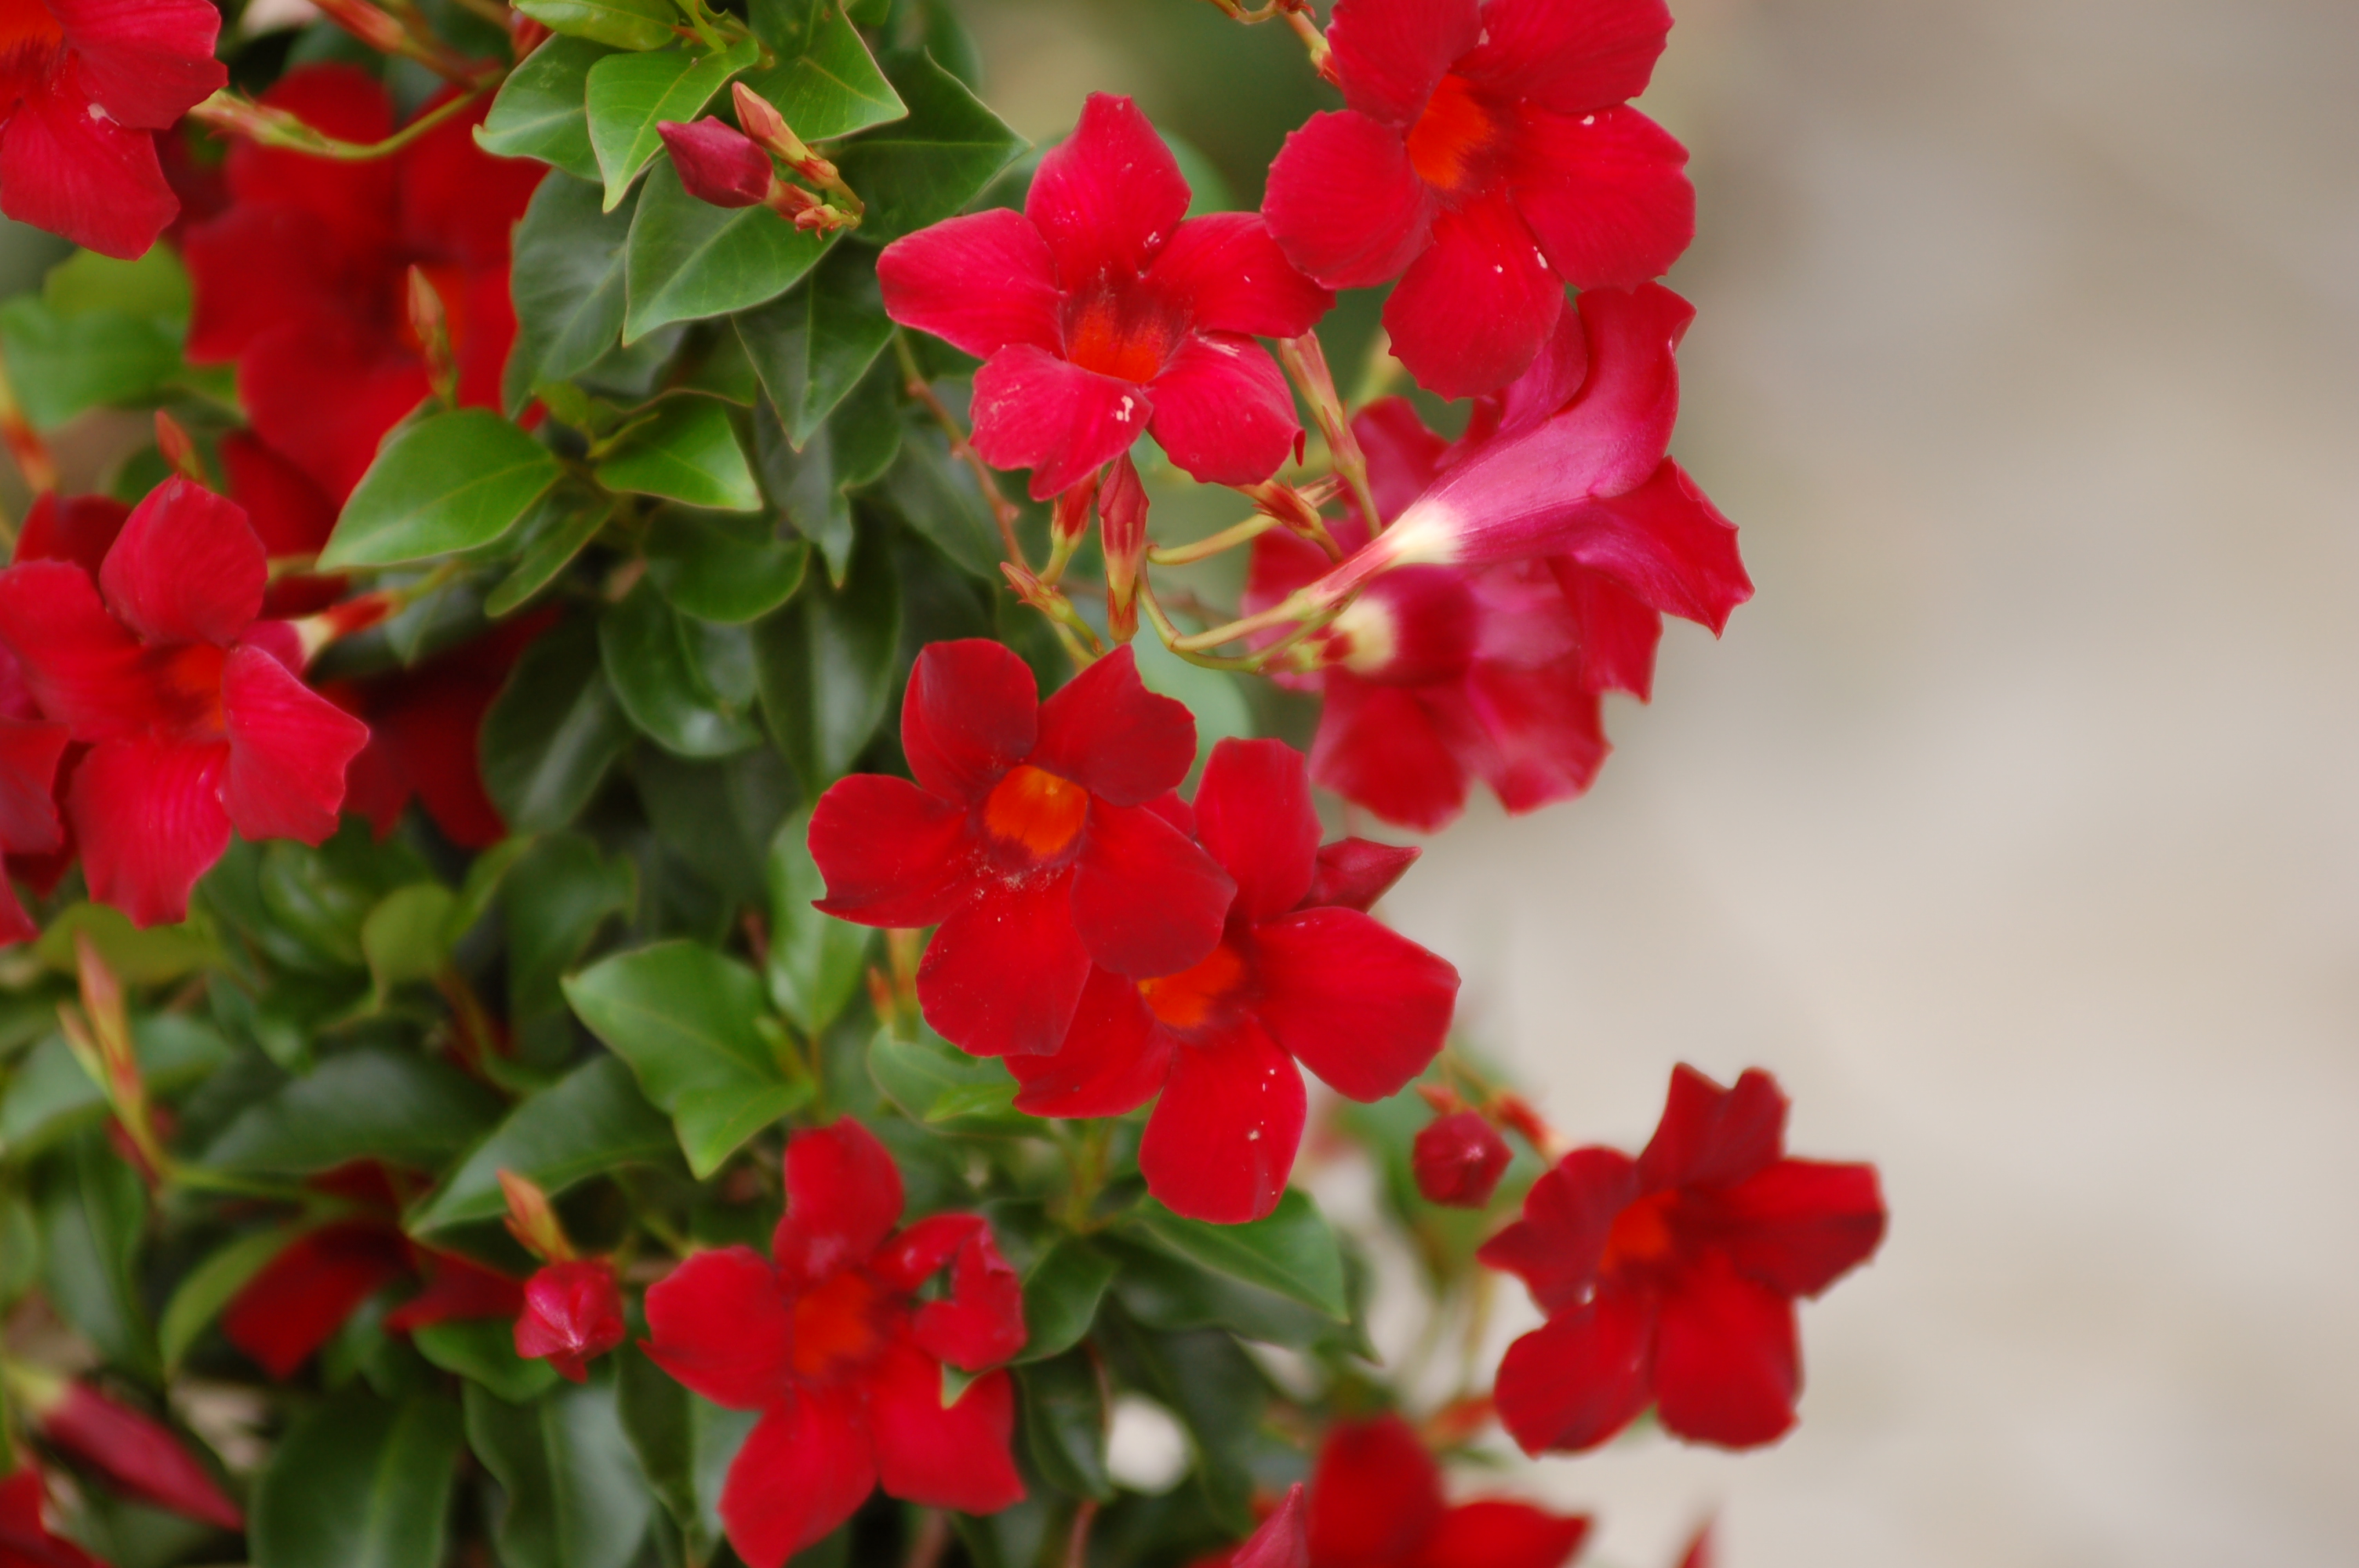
(553, 733)
(684, 1017)
(936, 496)
(932, 164)
(718, 817)
(50, 1096)
(685, 1444)
(813, 486)
(722, 567)
(827, 84)
(826, 664)
(559, 897)
(560, 529)
(1065, 1425)
(485, 872)
(688, 453)
(575, 1496)
(453, 481)
(1292, 1252)
(593, 1119)
(1061, 1298)
(408, 936)
(663, 668)
(812, 348)
(154, 286)
(630, 94)
(209, 1287)
(370, 1102)
(943, 1090)
(567, 279)
(625, 24)
(542, 110)
(63, 366)
(91, 1210)
(482, 1350)
(1172, 1294)
(139, 957)
(359, 1483)
(815, 961)
(689, 259)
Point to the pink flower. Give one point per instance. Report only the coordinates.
(1486, 160)
(572, 1314)
(1100, 313)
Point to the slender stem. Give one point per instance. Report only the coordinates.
(1076, 1544)
(1172, 637)
(232, 111)
(933, 1540)
(1004, 512)
(1212, 545)
(1244, 625)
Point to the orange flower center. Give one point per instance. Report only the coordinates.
(1641, 1236)
(838, 1326)
(1447, 145)
(1038, 810)
(1184, 1001)
(1119, 334)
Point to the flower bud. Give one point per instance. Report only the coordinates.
(532, 1221)
(138, 1454)
(1122, 533)
(572, 1314)
(1459, 1160)
(718, 163)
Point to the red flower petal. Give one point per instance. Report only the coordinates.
(1669, 545)
(1112, 1060)
(1004, 974)
(573, 1314)
(1555, 1248)
(77, 528)
(149, 816)
(288, 750)
(843, 1198)
(1497, 1533)
(1343, 203)
(1799, 1226)
(186, 568)
(256, 266)
(1577, 1379)
(138, 1453)
(458, 204)
(1234, 278)
(1471, 310)
(26, 1533)
(1380, 747)
(356, 199)
(1282, 1541)
(954, 1458)
(1109, 196)
(1606, 193)
(1375, 1493)
(720, 1324)
(1389, 54)
(288, 513)
(67, 168)
(16, 925)
(147, 61)
(457, 1291)
(717, 162)
(1220, 1141)
(1034, 411)
(1618, 630)
(1253, 814)
(324, 391)
(1546, 736)
(303, 1295)
(1711, 1136)
(891, 854)
(1726, 1366)
(1572, 54)
(1364, 1008)
(979, 283)
(1353, 874)
(1105, 731)
(29, 773)
(913, 1257)
(971, 712)
(1554, 378)
(1145, 900)
(981, 1324)
(1403, 455)
(1222, 412)
(806, 1466)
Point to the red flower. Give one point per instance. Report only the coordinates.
(1486, 161)
(26, 1540)
(303, 281)
(1100, 313)
(1672, 1278)
(1458, 1160)
(717, 162)
(1554, 535)
(136, 1453)
(195, 718)
(1029, 837)
(1328, 987)
(572, 1314)
(827, 1339)
(83, 84)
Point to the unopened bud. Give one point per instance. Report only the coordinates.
(136, 1451)
(1459, 1160)
(431, 324)
(763, 122)
(1121, 533)
(572, 1314)
(180, 448)
(532, 1221)
(1070, 518)
(717, 163)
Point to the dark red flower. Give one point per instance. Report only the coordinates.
(303, 280)
(29, 825)
(26, 1538)
(827, 1338)
(195, 719)
(84, 84)
(717, 162)
(1672, 1278)
(1458, 1160)
(1364, 1007)
(1486, 160)
(1029, 837)
(136, 1453)
(1555, 535)
(572, 1314)
(1100, 313)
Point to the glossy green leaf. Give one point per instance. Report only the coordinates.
(1065, 1425)
(1061, 1292)
(1217, 1393)
(684, 1443)
(558, 899)
(553, 733)
(359, 1483)
(542, 110)
(50, 1096)
(592, 1121)
(926, 166)
(92, 1209)
(1293, 1251)
(688, 453)
(826, 84)
(669, 673)
(485, 873)
(826, 664)
(936, 494)
(63, 366)
(372, 1102)
(560, 529)
(722, 567)
(718, 816)
(482, 1350)
(689, 259)
(575, 1496)
(630, 94)
(453, 481)
(813, 347)
(408, 936)
(813, 486)
(567, 279)
(1167, 1292)
(943, 1090)
(137, 956)
(210, 1286)
(684, 1017)
(815, 961)
(624, 23)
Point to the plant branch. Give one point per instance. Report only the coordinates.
(1004, 512)
(233, 113)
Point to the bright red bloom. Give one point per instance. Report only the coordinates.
(1364, 1007)
(1029, 836)
(572, 1314)
(1672, 1278)
(83, 86)
(1100, 313)
(827, 1338)
(136, 1453)
(30, 753)
(1556, 535)
(1458, 1160)
(26, 1538)
(1486, 160)
(194, 715)
(303, 280)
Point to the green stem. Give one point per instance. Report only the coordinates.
(233, 112)
(1212, 545)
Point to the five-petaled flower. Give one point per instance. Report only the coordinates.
(195, 719)
(1672, 1277)
(827, 1338)
(1486, 160)
(1101, 314)
(1321, 984)
(84, 84)
(572, 1314)
(1029, 836)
